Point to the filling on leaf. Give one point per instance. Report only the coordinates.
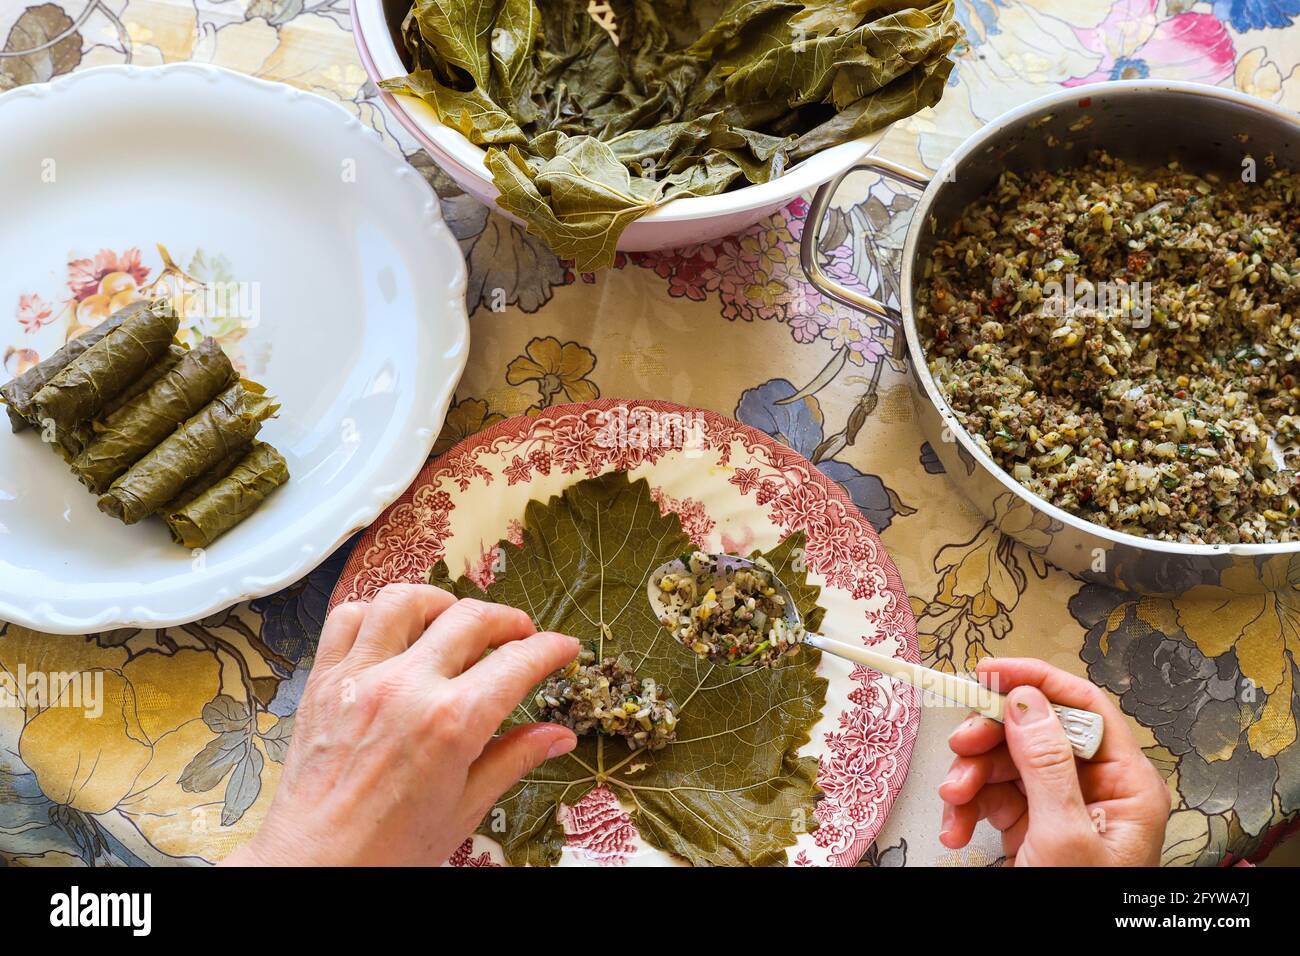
(718, 778)
(608, 698)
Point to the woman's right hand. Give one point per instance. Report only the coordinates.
(1021, 776)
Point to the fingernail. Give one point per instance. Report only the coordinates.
(954, 776)
(561, 747)
(1026, 706)
(948, 814)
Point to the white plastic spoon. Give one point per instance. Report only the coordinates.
(1083, 728)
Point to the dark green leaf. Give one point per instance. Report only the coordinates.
(732, 788)
(584, 136)
(90, 381)
(229, 500)
(222, 427)
(121, 439)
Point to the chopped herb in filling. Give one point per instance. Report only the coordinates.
(1159, 393)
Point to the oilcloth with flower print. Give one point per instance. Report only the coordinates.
(1208, 676)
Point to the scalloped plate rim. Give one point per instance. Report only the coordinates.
(486, 438)
(406, 459)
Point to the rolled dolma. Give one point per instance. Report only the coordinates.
(128, 434)
(206, 480)
(225, 504)
(228, 422)
(18, 393)
(145, 382)
(72, 443)
(83, 388)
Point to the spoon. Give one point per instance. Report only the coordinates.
(1083, 728)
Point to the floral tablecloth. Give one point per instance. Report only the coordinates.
(729, 326)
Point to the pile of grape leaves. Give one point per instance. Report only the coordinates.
(584, 134)
(731, 790)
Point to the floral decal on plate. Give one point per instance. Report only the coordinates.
(98, 285)
(691, 513)
(598, 828)
(869, 727)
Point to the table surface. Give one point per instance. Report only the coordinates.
(730, 326)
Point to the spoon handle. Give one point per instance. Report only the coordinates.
(1082, 727)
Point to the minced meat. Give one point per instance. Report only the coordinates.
(1124, 343)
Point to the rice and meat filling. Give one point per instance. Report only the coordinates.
(1183, 429)
(736, 617)
(607, 697)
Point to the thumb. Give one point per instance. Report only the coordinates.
(1042, 754)
(512, 755)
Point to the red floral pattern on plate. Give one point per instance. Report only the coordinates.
(863, 757)
(695, 521)
(598, 828)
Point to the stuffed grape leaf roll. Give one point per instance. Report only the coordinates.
(199, 522)
(72, 443)
(18, 393)
(228, 422)
(206, 480)
(128, 434)
(83, 388)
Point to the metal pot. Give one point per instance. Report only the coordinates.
(1145, 122)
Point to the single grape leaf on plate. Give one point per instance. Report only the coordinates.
(732, 789)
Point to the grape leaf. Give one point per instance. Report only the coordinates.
(732, 789)
(584, 135)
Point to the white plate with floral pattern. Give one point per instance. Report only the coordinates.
(343, 295)
(734, 489)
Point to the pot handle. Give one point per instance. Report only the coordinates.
(812, 239)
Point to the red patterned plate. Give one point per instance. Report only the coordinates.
(734, 489)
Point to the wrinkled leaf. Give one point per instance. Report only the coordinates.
(578, 200)
(470, 113)
(584, 136)
(731, 790)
